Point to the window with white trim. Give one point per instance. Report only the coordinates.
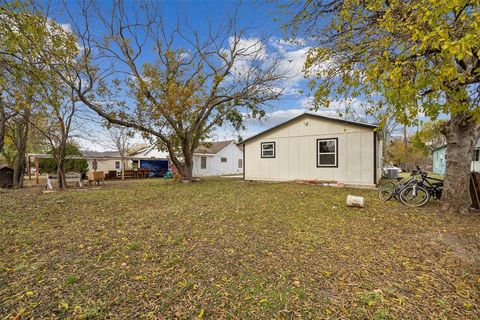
(117, 164)
(203, 163)
(268, 149)
(240, 163)
(223, 159)
(327, 152)
(476, 155)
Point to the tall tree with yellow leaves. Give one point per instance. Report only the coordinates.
(421, 57)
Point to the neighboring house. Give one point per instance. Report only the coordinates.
(439, 157)
(103, 161)
(217, 158)
(210, 159)
(439, 160)
(315, 147)
(150, 157)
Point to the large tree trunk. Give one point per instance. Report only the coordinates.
(21, 137)
(461, 134)
(61, 177)
(186, 169)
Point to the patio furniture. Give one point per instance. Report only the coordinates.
(128, 174)
(139, 173)
(146, 173)
(112, 174)
(168, 175)
(96, 176)
(75, 178)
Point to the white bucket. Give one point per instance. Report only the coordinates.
(354, 201)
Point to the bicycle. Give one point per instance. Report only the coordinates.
(419, 193)
(391, 190)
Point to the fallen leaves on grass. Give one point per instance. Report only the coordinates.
(232, 249)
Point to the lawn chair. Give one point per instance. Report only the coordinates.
(146, 173)
(168, 175)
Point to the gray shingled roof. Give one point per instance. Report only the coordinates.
(101, 154)
(212, 147)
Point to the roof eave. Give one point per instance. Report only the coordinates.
(372, 126)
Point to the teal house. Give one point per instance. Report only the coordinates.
(439, 161)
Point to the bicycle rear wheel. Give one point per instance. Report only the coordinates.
(386, 191)
(414, 196)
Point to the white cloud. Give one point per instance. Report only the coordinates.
(250, 48)
(292, 54)
(284, 45)
(292, 64)
(289, 54)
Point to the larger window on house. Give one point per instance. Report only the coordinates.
(203, 163)
(117, 164)
(327, 152)
(268, 149)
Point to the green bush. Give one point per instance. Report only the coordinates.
(71, 165)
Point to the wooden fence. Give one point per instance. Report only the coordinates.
(475, 189)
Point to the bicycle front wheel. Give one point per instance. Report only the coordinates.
(414, 196)
(386, 191)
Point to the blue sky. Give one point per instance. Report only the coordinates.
(264, 21)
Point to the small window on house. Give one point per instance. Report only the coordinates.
(224, 159)
(327, 153)
(203, 163)
(117, 164)
(240, 163)
(476, 155)
(268, 149)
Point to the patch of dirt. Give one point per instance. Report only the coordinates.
(463, 248)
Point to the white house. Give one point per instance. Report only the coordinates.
(476, 158)
(217, 158)
(315, 147)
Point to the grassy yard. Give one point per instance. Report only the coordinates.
(225, 248)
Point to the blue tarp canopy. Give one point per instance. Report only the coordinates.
(157, 167)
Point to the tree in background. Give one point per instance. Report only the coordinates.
(121, 138)
(55, 121)
(407, 156)
(431, 134)
(194, 84)
(29, 86)
(419, 57)
(70, 165)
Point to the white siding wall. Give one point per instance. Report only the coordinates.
(214, 165)
(296, 149)
(108, 165)
(475, 166)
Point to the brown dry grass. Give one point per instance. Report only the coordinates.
(225, 248)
